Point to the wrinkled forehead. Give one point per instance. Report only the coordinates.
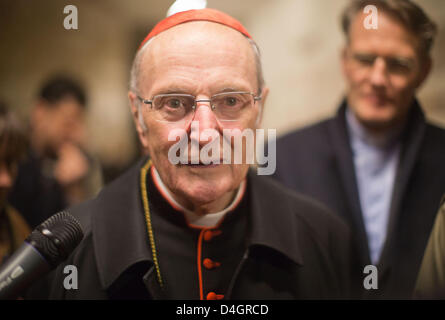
(200, 44)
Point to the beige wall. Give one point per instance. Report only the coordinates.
(300, 42)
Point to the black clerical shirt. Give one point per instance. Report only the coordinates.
(196, 262)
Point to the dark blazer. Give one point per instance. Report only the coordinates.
(296, 248)
(317, 161)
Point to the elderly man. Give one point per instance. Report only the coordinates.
(195, 230)
(377, 162)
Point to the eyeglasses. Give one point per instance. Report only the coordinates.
(394, 65)
(227, 106)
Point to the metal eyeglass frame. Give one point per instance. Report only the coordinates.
(146, 101)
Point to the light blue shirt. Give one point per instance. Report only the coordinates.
(375, 161)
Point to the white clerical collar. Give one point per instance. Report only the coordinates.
(208, 220)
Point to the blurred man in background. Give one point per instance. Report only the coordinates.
(58, 171)
(13, 144)
(377, 163)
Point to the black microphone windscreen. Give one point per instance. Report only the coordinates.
(57, 237)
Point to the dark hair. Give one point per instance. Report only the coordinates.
(13, 139)
(406, 12)
(60, 87)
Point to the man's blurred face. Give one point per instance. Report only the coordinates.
(57, 124)
(201, 59)
(383, 69)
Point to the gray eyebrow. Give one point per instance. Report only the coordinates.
(229, 90)
(173, 90)
(178, 90)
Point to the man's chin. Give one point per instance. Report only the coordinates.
(203, 196)
(203, 189)
(377, 117)
(201, 185)
(378, 123)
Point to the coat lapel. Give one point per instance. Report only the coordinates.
(344, 162)
(122, 242)
(412, 140)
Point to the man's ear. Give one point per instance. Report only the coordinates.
(262, 102)
(138, 118)
(425, 70)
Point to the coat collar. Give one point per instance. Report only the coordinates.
(273, 223)
(120, 236)
(119, 228)
(339, 138)
(411, 138)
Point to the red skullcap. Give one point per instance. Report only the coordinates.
(206, 14)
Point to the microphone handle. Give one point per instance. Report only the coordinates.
(20, 270)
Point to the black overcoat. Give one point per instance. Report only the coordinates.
(297, 249)
(317, 161)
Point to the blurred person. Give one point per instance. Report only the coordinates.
(59, 171)
(377, 163)
(431, 278)
(13, 144)
(201, 231)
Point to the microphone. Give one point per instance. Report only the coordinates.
(46, 247)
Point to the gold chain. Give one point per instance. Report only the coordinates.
(151, 237)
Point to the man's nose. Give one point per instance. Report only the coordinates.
(206, 119)
(379, 73)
